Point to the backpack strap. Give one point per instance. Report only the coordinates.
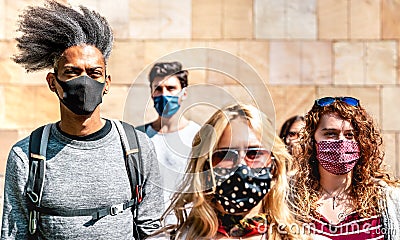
(37, 168)
(133, 158)
(134, 167)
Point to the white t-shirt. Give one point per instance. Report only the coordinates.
(173, 150)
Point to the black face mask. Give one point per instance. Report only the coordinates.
(243, 189)
(82, 94)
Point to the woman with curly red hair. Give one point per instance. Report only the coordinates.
(341, 190)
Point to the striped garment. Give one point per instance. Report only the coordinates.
(352, 227)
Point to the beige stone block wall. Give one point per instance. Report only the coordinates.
(2, 20)
(256, 54)
(285, 61)
(300, 63)
(291, 100)
(333, 19)
(390, 19)
(316, 62)
(160, 19)
(381, 62)
(238, 19)
(301, 21)
(270, 19)
(126, 61)
(294, 19)
(365, 19)
(207, 19)
(390, 140)
(9, 70)
(367, 62)
(8, 138)
(348, 63)
(390, 108)
(279, 55)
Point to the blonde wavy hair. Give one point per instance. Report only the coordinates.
(196, 213)
(367, 173)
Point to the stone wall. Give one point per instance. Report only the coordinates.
(297, 50)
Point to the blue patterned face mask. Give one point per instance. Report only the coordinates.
(167, 106)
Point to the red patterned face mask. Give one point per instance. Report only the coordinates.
(338, 156)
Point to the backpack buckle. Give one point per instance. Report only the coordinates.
(33, 196)
(32, 225)
(115, 209)
(139, 194)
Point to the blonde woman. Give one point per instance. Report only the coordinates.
(341, 188)
(235, 184)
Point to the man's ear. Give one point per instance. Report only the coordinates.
(108, 84)
(184, 95)
(51, 81)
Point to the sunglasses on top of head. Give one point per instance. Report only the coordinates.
(326, 101)
(230, 158)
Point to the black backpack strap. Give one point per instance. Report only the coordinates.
(96, 213)
(133, 163)
(37, 168)
(133, 158)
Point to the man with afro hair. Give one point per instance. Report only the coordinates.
(87, 190)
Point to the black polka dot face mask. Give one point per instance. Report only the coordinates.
(241, 190)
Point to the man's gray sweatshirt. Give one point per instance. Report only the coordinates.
(82, 175)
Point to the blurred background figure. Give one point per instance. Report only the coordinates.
(290, 131)
(172, 133)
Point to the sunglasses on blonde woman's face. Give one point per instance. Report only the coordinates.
(230, 158)
(326, 101)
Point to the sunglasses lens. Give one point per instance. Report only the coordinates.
(225, 162)
(224, 159)
(256, 158)
(326, 101)
(351, 101)
(322, 102)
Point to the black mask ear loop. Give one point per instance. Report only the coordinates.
(273, 165)
(214, 184)
(58, 81)
(105, 81)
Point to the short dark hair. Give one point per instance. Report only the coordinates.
(288, 124)
(163, 69)
(48, 31)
